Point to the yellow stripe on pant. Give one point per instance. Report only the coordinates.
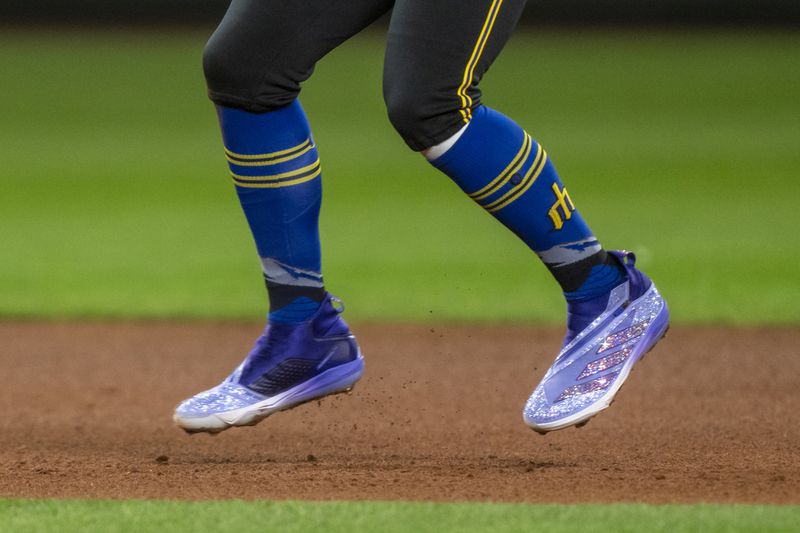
(477, 51)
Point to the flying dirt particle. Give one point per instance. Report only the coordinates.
(162, 459)
(661, 477)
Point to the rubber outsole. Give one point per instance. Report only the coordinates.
(338, 380)
(213, 432)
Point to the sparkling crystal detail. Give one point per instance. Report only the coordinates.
(614, 331)
(604, 363)
(539, 408)
(226, 396)
(624, 335)
(598, 384)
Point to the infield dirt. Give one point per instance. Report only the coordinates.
(711, 415)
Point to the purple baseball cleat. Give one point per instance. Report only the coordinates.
(605, 337)
(289, 365)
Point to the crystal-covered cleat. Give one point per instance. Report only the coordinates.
(595, 362)
(289, 365)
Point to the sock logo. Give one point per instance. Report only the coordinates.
(562, 201)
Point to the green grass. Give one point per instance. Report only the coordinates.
(23, 516)
(114, 199)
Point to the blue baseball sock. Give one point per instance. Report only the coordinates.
(507, 173)
(276, 171)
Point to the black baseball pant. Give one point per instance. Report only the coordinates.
(436, 53)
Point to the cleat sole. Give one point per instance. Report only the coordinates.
(338, 380)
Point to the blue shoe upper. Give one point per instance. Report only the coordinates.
(288, 354)
(581, 313)
(283, 357)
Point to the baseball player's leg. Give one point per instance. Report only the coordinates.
(437, 53)
(254, 64)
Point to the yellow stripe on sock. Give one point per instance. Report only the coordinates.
(276, 177)
(477, 51)
(287, 183)
(229, 154)
(269, 162)
(502, 178)
(524, 185)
